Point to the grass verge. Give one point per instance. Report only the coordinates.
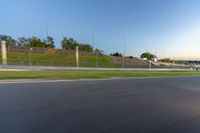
(46, 74)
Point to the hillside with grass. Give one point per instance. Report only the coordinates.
(130, 62)
(26, 56)
(41, 59)
(34, 51)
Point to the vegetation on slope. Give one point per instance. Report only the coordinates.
(38, 59)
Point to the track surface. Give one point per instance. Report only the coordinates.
(157, 105)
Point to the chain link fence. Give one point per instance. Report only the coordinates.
(32, 56)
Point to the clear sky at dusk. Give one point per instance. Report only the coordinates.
(168, 28)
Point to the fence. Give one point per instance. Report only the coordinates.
(27, 56)
(25, 49)
(32, 56)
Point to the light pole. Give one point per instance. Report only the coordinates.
(124, 52)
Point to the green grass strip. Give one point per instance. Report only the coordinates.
(47, 74)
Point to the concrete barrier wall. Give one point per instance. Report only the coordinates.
(86, 68)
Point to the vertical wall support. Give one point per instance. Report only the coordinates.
(4, 52)
(77, 56)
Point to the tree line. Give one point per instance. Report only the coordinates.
(148, 56)
(48, 42)
(70, 43)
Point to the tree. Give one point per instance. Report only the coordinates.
(166, 60)
(131, 57)
(98, 51)
(35, 42)
(9, 40)
(49, 42)
(69, 43)
(72, 44)
(148, 55)
(85, 47)
(117, 54)
(22, 41)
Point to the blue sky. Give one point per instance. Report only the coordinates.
(168, 28)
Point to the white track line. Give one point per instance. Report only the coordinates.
(79, 80)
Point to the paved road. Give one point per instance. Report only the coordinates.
(157, 105)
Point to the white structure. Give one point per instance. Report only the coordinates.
(155, 59)
(4, 52)
(145, 59)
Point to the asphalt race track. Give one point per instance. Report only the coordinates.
(154, 105)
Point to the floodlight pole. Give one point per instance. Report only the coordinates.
(4, 52)
(77, 56)
(93, 45)
(124, 53)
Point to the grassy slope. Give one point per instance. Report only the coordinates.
(58, 60)
(88, 74)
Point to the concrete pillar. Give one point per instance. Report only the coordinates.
(4, 52)
(77, 56)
